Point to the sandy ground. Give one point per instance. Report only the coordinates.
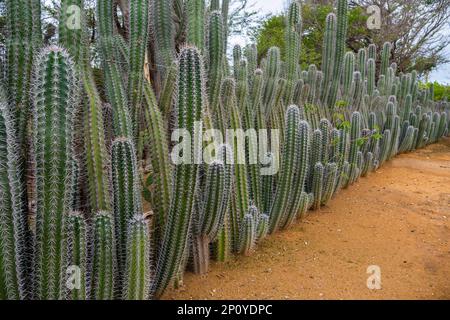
(397, 219)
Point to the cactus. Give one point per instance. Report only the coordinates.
(272, 73)
(328, 56)
(195, 11)
(223, 245)
(330, 178)
(55, 98)
(216, 56)
(210, 213)
(13, 220)
(300, 175)
(288, 168)
(97, 158)
(293, 47)
(139, 26)
(137, 272)
(355, 146)
(77, 246)
(91, 118)
(22, 43)
(190, 106)
(385, 56)
(163, 33)
(126, 199)
(80, 161)
(113, 80)
(341, 34)
(104, 260)
(156, 137)
(241, 186)
(248, 232)
(317, 185)
(71, 37)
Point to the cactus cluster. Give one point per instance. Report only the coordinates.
(105, 191)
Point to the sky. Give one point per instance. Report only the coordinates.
(442, 74)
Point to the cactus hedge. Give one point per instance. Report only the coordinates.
(107, 152)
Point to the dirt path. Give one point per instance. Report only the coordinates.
(398, 219)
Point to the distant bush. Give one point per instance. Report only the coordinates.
(441, 91)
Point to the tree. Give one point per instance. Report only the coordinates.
(416, 29)
(271, 32)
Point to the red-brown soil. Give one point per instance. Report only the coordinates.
(397, 219)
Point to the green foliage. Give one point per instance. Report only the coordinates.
(441, 91)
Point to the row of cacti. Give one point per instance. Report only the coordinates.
(74, 168)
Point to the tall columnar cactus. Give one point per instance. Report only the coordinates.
(295, 197)
(317, 185)
(104, 260)
(241, 186)
(316, 152)
(272, 74)
(157, 143)
(330, 178)
(237, 58)
(362, 62)
(97, 158)
(325, 128)
(211, 208)
(137, 272)
(163, 33)
(328, 56)
(251, 55)
(407, 141)
(224, 243)
(71, 35)
(24, 38)
(216, 56)
(126, 198)
(395, 137)
(166, 98)
(293, 47)
(385, 57)
(189, 110)
(248, 231)
(13, 220)
(348, 76)
(355, 145)
(77, 255)
(386, 143)
(55, 98)
(289, 167)
(139, 27)
(115, 89)
(371, 77)
(195, 12)
(341, 34)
